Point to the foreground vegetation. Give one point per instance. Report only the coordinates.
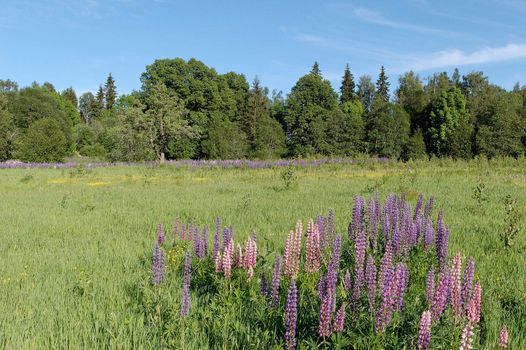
(78, 242)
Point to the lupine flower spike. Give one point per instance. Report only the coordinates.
(291, 311)
(503, 337)
(424, 331)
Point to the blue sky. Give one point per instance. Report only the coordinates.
(77, 43)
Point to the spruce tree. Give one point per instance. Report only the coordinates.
(110, 92)
(347, 93)
(100, 98)
(315, 69)
(382, 86)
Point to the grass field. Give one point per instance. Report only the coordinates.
(75, 244)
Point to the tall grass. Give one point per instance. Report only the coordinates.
(75, 245)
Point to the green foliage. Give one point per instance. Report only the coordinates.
(382, 86)
(310, 106)
(224, 140)
(346, 129)
(93, 150)
(450, 129)
(110, 92)
(366, 91)
(415, 148)
(347, 93)
(43, 142)
(8, 130)
(289, 177)
(512, 221)
(480, 193)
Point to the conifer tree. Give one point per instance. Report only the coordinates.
(347, 93)
(110, 92)
(382, 86)
(315, 69)
(100, 97)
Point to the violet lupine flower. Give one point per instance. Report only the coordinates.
(401, 280)
(503, 337)
(360, 246)
(339, 319)
(428, 210)
(160, 234)
(158, 265)
(442, 238)
(336, 253)
(239, 256)
(372, 227)
(331, 228)
(254, 236)
(474, 305)
(357, 218)
(197, 243)
(455, 288)
(276, 278)
(291, 311)
(250, 257)
(385, 265)
(183, 232)
(204, 242)
(190, 236)
(440, 298)
(185, 295)
(312, 260)
(175, 230)
(263, 287)
(226, 237)
(383, 316)
(429, 234)
(466, 341)
(215, 247)
(324, 327)
(467, 285)
(370, 281)
(424, 331)
(347, 280)
(430, 285)
(418, 206)
(396, 240)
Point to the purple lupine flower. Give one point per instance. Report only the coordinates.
(263, 287)
(158, 265)
(372, 227)
(183, 232)
(370, 280)
(324, 327)
(383, 316)
(428, 210)
(418, 206)
(215, 248)
(160, 234)
(424, 331)
(339, 319)
(197, 243)
(347, 280)
(396, 240)
(429, 234)
(360, 246)
(331, 228)
(322, 288)
(291, 311)
(204, 242)
(467, 285)
(401, 278)
(336, 252)
(175, 230)
(441, 294)
(430, 285)
(276, 278)
(442, 238)
(254, 236)
(185, 295)
(226, 237)
(357, 218)
(385, 265)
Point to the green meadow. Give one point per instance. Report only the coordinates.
(76, 244)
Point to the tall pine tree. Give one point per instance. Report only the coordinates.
(382, 86)
(347, 93)
(110, 92)
(100, 97)
(315, 69)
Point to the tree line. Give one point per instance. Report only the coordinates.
(186, 109)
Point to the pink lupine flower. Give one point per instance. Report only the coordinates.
(424, 331)
(239, 257)
(339, 319)
(292, 252)
(503, 337)
(456, 286)
(312, 261)
(324, 328)
(250, 257)
(466, 342)
(288, 254)
(430, 285)
(474, 305)
(227, 258)
(217, 261)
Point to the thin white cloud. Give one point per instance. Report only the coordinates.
(377, 18)
(453, 58)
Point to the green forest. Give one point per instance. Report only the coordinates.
(187, 110)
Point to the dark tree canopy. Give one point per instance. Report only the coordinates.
(347, 93)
